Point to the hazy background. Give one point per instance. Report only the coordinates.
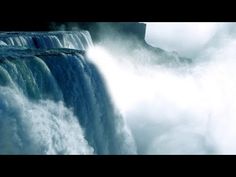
(187, 38)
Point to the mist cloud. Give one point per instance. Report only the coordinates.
(172, 111)
(186, 38)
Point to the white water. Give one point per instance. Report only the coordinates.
(172, 111)
(38, 128)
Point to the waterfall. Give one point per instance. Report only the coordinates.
(53, 100)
